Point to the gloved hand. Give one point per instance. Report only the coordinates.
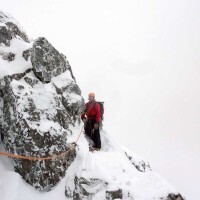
(96, 126)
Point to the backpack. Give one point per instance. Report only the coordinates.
(101, 103)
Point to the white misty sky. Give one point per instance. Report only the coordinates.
(142, 58)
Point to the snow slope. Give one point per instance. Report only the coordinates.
(110, 165)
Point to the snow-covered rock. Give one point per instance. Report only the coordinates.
(47, 61)
(35, 117)
(40, 107)
(9, 29)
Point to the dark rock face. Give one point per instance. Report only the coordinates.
(26, 54)
(5, 36)
(47, 61)
(10, 30)
(172, 196)
(111, 195)
(140, 166)
(71, 106)
(15, 31)
(8, 56)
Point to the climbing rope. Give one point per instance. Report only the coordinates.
(44, 158)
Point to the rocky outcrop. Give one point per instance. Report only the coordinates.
(116, 194)
(172, 196)
(140, 165)
(8, 56)
(16, 31)
(47, 61)
(36, 116)
(93, 188)
(5, 36)
(85, 189)
(28, 107)
(10, 30)
(26, 54)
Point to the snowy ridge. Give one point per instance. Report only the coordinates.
(110, 165)
(40, 108)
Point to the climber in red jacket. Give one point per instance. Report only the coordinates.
(91, 118)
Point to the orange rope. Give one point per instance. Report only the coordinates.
(45, 158)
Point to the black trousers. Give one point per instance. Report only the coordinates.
(94, 134)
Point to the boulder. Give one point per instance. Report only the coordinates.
(36, 124)
(85, 188)
(47, 61)
(8, 56)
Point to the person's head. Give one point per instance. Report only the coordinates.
(91, 96)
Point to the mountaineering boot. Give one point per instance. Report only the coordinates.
(93, 148)
(97, 149)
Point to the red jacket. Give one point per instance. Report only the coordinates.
(92, 111)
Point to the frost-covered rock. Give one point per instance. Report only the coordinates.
(172, 196)
(85, 189)
(47, 61)
(116, 194)
(8, 56)
(10, 29)
(5, 36)
(26, 54)
(35, 117)
(139, 164)
(35, 123)
(13, 42)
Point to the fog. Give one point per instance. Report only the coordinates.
(142, 59)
